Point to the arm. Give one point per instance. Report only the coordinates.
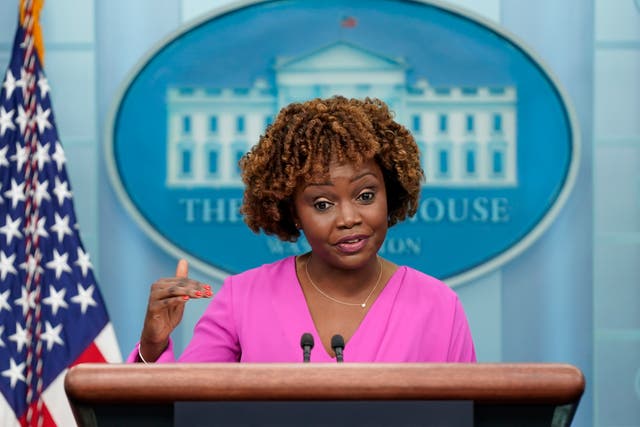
(167, 300)
(461, 348)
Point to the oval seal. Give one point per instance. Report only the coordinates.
(498, 138)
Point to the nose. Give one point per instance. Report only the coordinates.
(348, 215)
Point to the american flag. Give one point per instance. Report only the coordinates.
(52, 315)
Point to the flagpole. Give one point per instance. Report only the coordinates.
(32, 249)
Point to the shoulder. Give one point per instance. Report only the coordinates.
(264, 275)
(421, 285)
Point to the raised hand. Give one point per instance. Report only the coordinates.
(167, 299)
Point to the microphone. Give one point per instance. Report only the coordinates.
(337, 344)
(306, 342)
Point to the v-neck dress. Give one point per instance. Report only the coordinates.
(259, 316)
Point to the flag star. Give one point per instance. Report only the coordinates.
(14, 373)
(42, 155)
(2, 344)
(61, 190)
(3, 156)
(42, 192)
(43, 84)
(20, 157)
(51, 335)
(83, 261)
(21, 337)
(9, 83)
(6, 267)
(24, 76)
(22, 119)
(6, 120)
(16, 193)
(84, 298)
(42, 118)
(59, 156)
(59, 263)
(4, 296)
(27, 300)
(55, 299)
(31, 266)
(61, 227)
(10, 228)
(41, 229)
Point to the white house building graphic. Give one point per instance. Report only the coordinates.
(467, 135)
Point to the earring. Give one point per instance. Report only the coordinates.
(297, 225)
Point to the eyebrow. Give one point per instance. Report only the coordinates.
(354, 179)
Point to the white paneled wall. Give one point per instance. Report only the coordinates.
(617, 212)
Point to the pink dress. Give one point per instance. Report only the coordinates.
(259, 316)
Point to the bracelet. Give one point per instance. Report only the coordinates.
(140, 355)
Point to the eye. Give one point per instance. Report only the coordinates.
(322, 205)
(367, 196)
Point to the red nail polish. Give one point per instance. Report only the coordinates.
(185, 297)
(208, 293)
(198, 293)
(207, 287)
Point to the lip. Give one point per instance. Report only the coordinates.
(352, 244)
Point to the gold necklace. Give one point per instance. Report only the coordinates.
(351, 304)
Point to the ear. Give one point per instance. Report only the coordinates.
(294, 217)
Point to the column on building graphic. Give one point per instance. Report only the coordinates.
(210, 129)
(467, 135)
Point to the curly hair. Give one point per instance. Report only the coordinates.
(302, 142)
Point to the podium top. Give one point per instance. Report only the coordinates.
(518, 383)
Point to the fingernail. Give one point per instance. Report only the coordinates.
(208, 293)
(207, 287)
(198, 294)
(185, 297)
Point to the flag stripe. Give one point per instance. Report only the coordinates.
(108, 345)
(56, 401)
(7, 416)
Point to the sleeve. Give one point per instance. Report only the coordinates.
(461, 348)
(215, 337)
(165, 357)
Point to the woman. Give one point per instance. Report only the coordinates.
(341, 171)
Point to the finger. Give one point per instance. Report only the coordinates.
(175, 287)
(182, 270)
(162, 304)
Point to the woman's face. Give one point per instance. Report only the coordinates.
(344, 216)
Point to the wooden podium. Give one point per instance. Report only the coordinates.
(498, 394)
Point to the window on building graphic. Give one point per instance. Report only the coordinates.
(415, 123)
(497, 162)
(443, 162)
(470, 123)
(470, 161)
(212, 161)
(186, 124)
(213, 124)
(497, 123)
(238, 156)
(186, 160)
(238, 149)
(240, 124)
(443, 123)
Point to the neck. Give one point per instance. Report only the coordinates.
(342, 282)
